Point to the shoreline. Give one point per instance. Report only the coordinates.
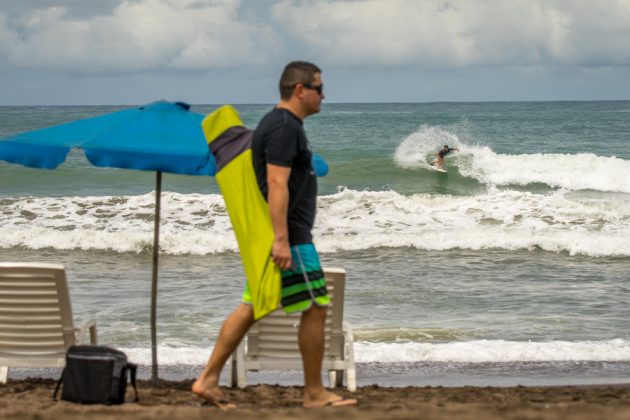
(418, 374)
(30, 399)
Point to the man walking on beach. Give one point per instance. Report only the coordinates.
(282, 162)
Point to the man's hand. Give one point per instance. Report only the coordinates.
(281, 254)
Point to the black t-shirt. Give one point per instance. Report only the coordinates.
(445, 152)
(280, 140)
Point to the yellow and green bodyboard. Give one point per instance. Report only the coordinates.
(230, 142)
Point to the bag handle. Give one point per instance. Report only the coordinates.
(54, 396)
(132, 374)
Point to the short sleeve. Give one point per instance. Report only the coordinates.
(281, 145)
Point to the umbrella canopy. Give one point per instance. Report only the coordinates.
(162, 137)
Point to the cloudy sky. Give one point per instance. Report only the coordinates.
(232, 51)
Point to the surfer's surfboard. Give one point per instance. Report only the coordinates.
(436, 168)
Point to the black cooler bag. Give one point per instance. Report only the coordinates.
(96, 375)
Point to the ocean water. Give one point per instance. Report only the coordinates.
(511, 268)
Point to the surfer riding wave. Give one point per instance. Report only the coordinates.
(439, 162)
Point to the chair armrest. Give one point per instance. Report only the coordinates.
(348, 338)
(90, 326)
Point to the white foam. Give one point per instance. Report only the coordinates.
(583, 171)
(489, 351)
(353, 220)
(480, 351)
(420, 147)
(190, 223)
(580, 171)
(169, 356)
(561, 221)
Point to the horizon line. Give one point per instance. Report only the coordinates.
(332, 103)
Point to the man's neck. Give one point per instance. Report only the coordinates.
(293, 108)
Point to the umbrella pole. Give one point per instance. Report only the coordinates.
(156, 257)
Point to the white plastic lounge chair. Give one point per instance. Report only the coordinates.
(36, 324)
(271, 343)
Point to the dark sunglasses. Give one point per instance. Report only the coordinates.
(317, 88)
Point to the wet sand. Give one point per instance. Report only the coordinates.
(31, 399)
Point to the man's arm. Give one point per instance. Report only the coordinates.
(278, 199)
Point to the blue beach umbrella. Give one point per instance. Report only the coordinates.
(161, 137)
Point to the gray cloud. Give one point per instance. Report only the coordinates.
(76, 8)
(136, 35)
(457, 33)
(126, 36)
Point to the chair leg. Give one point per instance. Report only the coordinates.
(232, 370)
(239, 366)
(339, 379)
(4, 374)
(332, 378)
(351, 373)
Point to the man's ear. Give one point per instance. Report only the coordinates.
(299, 91)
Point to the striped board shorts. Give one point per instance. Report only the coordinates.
(303, 284)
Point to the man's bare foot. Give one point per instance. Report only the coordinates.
(213, 395)
(328, 399)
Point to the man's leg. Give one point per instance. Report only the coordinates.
(232, 332)
(311, 340)
(437, 161)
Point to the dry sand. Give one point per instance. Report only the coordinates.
(31, 399)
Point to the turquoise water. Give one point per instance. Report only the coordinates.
(512, 267)
(360, 140)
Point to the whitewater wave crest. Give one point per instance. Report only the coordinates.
(581, 171)
(480, 351)
(561, 221)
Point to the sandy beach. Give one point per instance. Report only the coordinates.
(31, 399)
